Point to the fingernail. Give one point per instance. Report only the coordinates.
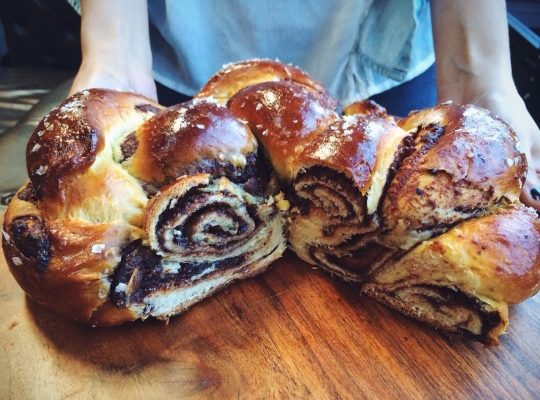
(535, 193)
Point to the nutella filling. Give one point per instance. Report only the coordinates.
(29, 194)
(129, 146)
(220, 234)
(141, 272)
(330, 191)
(450, 309)
(147, 108)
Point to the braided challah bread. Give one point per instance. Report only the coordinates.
(135, 210)
(423, 212)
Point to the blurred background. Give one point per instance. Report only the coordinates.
(40, 53)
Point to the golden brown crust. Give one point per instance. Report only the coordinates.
(134, 210)
(284, 116)
(365, 108)
(82, 256)
(444, 159)
(338, 180)
(69, 235)
(500, 250)
(193, 137)
(234, 77)
(494, 259)
(475, 145)
(497, 256)
(355, 146)
(464, 162)
(66, 142)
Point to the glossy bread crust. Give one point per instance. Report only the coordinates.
(343, 173)
(194, 137)
(464, 161)
(285, 117)
(365, 108)
(74, 279)
(67, 141)
(357, 146)
(67, 234)
(134, 210)
(236, 76)
(494, 259)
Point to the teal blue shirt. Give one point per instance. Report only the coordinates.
(356, 48)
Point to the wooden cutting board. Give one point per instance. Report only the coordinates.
(293, 332)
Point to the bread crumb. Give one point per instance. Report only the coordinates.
(282, 203)
(97, 248)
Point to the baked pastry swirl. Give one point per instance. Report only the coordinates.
(334, 170)
(133, 210)
(402, 207)
(464, 280)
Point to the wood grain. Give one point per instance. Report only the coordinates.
(293, 332)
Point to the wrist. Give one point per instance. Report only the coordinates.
(115, 32)
(475, 88)
(116, 52)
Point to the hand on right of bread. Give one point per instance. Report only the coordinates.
(93, 74)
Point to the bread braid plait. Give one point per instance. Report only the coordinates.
(134, 210)
(375, 200)
(157, 208)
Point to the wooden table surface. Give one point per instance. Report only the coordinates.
(292, 332)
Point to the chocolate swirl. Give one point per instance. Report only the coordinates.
(135, 210)
(464, 163)
(463, 280)
(340, 178)
(198, 216)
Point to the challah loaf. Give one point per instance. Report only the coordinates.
(382, 202)
(133, 210)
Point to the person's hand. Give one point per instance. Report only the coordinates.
(135, 78)
(473, 66)
(509, 106)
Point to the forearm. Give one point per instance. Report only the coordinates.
(115, 29)
(115, 47)
(472, 49)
